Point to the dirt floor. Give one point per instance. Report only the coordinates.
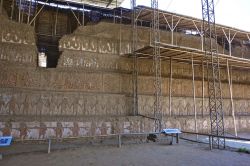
(146, 154)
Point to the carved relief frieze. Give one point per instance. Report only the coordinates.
(17, 45)
(43, 104)
(18, 54)
(21, 35)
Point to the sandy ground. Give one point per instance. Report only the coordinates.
(146, 154)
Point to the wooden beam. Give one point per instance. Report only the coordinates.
(229, 39)
(201, 35)
(109, 2)
(38, 13)
(74, 15)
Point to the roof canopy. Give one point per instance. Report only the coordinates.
(185, 55)
(100, 3)
(173, 20)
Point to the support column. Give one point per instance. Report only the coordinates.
(194, 100)
(172, 27)
(229, 40)
(12, 9)
(22, 14)
(200, 32)
(36, 11)
(172, 30)
(28, 20)
(19, 11)
(115, 12)
(203, 76)
(229, 76)
(1, 6)
(55, 30)
(248, 36)
(83, 15)
(120, 34)
(170, 87)
(135, 57)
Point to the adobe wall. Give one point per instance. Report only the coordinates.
(18, 44)
(90, 92)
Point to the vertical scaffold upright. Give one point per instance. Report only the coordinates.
(135, 58)
(155, 40)
(213, 70)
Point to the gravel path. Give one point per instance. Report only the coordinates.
(149, 154)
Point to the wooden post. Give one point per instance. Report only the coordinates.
(177, 138)
(172, 31)
(203, 93)
(28, 20)
(230, 44)
(194, 100)
(36, 10)
(19, 11)
(55, 30)
(229, 76)
(120, 34)
(210, 142)
(22, 15)
(201, 35)
(12, 9)
(248, 37)
(172, 27)
(229, 40)
(119, 141)
(83, 15)
(49, 146)
(1, 7)
(170, 87)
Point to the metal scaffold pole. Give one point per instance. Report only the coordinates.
(213, 65)
(156, 65)
(135, 58)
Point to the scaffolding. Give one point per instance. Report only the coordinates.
(135, 58)
(213, 71)
(155, 40)
(206, 55)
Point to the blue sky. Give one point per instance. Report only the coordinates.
(233, 13)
